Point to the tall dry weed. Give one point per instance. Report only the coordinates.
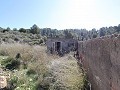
(26, 51)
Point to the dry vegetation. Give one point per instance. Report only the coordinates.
(16, 36)
(39, 71)
(33, 58)
(66, 74)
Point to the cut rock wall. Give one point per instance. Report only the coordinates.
(101, 61)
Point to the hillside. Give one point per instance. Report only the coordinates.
(36, 35)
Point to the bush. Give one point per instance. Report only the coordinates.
(41, 41)
(42, 86)
(6, 61)
(11, 63)
(30, 71)
(12, 83)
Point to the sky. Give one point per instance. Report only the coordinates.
(59, 14)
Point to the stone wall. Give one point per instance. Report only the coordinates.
(101, 60)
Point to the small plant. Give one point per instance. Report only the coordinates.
(18, 56)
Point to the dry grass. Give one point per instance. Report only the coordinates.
(13, 49)
(59, 73)
(34, 56)
(26, 51)
(67, 74)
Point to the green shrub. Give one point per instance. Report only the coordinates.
(12, 83)
(30, 71)
(41, 41)
(10, 63)
(6, 61)
(43, 86)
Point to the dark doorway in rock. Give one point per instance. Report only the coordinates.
(57, 46)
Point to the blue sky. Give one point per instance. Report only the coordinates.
(59, 14)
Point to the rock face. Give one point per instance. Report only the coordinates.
(101, 60)
(3, 79)
(3, 82)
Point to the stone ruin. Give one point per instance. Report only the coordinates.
(61, 46)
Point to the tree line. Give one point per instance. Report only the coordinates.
(79, 34)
